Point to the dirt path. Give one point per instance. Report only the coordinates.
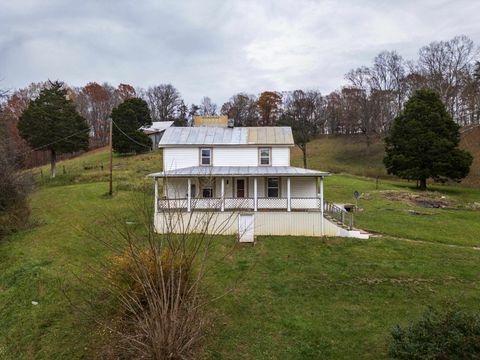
(389, 237)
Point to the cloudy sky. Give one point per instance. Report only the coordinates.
(217, 47)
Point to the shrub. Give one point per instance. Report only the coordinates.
(442, 335)
(14, 188)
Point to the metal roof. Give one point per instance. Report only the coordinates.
(206, 171)
(157, 126)
(227, 136)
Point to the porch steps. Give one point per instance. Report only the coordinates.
(344, 231)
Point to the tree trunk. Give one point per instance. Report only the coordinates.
(304, 151)
(423, 184)
(53, 163)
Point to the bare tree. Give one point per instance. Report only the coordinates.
(302, 115)
(444, 65)
(242, 108)
(157, 280)
(207, 107)
(95, 103)
(163, 101)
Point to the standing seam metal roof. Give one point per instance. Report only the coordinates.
(227, 136)
(202, 171)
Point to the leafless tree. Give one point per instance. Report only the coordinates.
(243, 109)
(445, 64)
(163, 101)
(207, 107)
(158, 280)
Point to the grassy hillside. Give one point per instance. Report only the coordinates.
(300, 298)
(343, 154)
(350, 155)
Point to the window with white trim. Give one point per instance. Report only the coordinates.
(273, 187)
(205, 156)
(264, 156)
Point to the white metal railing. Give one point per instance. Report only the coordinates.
(263, 203)
(339, 214)
(272, 203)
(239, 203)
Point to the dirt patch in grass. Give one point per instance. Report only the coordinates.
(428, 200)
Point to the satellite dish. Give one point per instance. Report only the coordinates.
(356, 195)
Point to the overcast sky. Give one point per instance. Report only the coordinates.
(217, 47)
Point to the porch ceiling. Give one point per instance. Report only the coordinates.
(248, 171)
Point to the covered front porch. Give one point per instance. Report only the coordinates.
(282, 188)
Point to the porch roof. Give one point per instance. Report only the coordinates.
(247, 171)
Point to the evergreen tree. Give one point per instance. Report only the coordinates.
(128, 117)
(423, 142)
(51, 122)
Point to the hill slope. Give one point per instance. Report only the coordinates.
(350, 155)
(299, 298)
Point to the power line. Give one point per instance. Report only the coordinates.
(59, 140)
(135, 141)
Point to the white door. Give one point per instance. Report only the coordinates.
(246, 227)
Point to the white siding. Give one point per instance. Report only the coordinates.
(175, 158)
(236, 156)
(281, 156)
(266, 223)
(303, 187)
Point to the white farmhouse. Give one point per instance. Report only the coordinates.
(243, 175)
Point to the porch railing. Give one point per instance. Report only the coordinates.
(339, 214)
(263, 203)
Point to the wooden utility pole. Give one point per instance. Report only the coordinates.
(110, 189)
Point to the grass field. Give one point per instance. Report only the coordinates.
(299, 298)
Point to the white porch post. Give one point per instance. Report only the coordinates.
(255, 194)
(322, 205)
(189, 194)
(222, 193)
(289, 205)
(156, 196)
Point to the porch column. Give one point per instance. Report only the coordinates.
(189, 194)
(255, 195)
(289, 205)
(222, 193)
(156, 196)
(322, 205)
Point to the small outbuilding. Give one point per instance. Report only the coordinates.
(156, 131)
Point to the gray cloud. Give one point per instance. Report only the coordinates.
(216, 48)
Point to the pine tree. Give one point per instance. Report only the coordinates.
(51, 122)
(128, 117)
(423, 142)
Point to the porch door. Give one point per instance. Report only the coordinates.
(246, 227)
(240, 188)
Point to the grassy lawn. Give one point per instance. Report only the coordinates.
(299, 298)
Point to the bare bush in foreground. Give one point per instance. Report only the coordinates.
(156, 282)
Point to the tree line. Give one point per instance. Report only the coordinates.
(367, 103)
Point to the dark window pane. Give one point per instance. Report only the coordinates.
(272, 192)
(273, 182)
(205, 161)
(207, 192)
(272, 187)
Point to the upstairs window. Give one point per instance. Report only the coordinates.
(273, 187)
(206, 156)
(265, 156)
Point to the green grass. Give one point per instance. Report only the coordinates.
(308, 298)
(299, 298)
